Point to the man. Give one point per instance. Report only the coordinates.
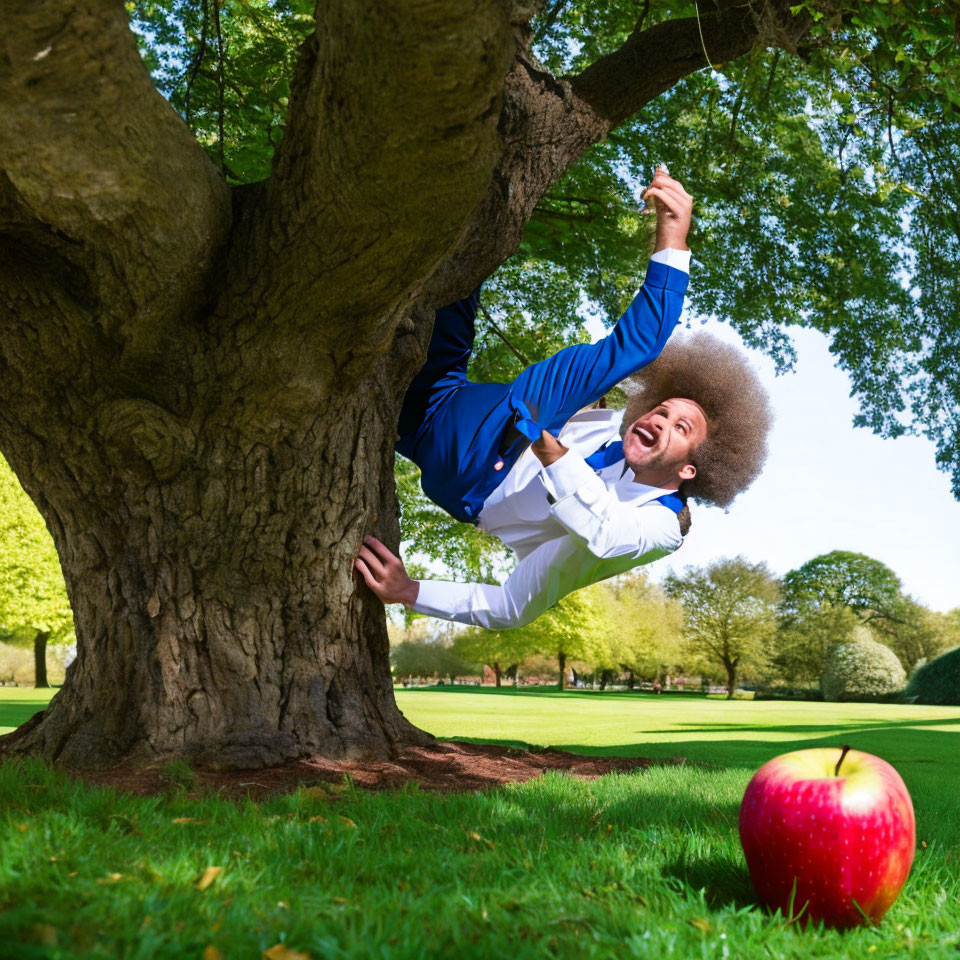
(608, 493)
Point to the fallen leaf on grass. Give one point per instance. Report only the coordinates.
(212, 953)
(281, 952)
(315, 819)
(349, 822)
(339, 899)
(187, 820)
(209, 875)
(702, 925)
(473, 835)
(22, 827)
(72, 874)
(110, 878)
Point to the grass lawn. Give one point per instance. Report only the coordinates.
(633, 865)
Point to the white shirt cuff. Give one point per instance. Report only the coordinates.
(568, 475)
(440, 598)
(678, 259)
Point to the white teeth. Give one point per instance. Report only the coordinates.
(646, 435)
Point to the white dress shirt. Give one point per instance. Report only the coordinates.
(598, 524)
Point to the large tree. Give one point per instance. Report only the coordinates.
(204, 340)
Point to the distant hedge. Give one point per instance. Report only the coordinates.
(937, 681)
(861, 668)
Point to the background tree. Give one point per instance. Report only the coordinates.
(729, 613)
(919, 635)
(425, 648)
(428, 658)
(646, 627)
(937, 681)
(577, 627)
(819, 598)
(805, 637)
(501, 649)
(34, 609)
(210, 305)
(843, 579)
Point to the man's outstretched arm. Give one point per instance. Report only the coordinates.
(535, 584)
(581, 373)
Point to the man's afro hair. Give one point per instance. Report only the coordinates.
(720, 379)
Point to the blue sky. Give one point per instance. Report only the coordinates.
(829, 486)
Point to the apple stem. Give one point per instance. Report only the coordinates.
(843, 752)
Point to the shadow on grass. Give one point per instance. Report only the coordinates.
(724, 881)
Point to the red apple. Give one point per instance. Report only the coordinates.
(831, 828)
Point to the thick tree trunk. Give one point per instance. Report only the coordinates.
(40, 659)
(498, 673)
(217, 613)
(562, 682)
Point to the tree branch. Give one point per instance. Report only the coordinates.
(547, 123)
(390, 144)
(516, 351)
(97, 172)
(652, 61)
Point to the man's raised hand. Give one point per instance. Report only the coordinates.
(385, 574)
(548, 449)
(674, 209)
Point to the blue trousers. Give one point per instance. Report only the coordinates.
(463, 435)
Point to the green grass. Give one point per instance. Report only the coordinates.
(635, 865)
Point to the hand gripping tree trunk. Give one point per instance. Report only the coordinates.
(199, 390)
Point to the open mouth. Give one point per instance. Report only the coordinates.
(646, 437)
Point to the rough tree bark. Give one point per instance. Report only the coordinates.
(562, 682)
(199, 386)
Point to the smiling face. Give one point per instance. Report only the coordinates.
(659, 445)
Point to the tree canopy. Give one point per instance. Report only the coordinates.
(844, 579)
(824, 170)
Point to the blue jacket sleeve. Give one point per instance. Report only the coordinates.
(580, 374)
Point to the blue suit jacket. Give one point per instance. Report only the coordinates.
(457, 435)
